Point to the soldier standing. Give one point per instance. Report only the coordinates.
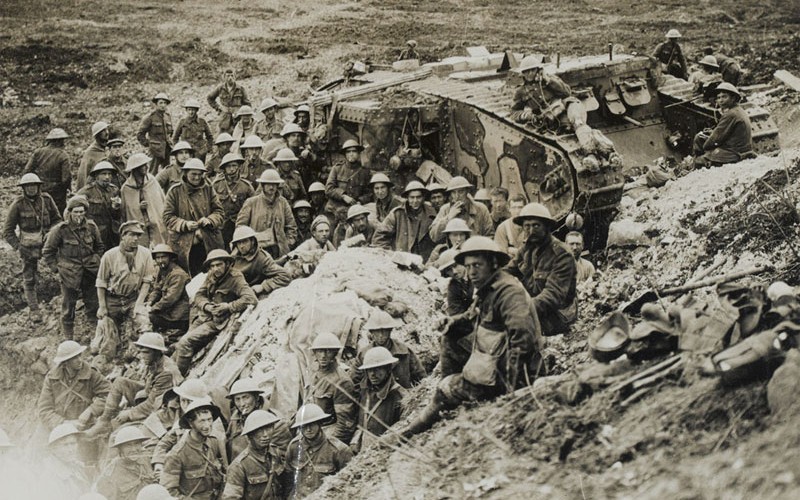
(232, 96)
(172, 175)
(93, 154)
(293, 188)
(232, 191)
(256, 472)
(245, 126)
(253, 165)
(270, 216)
(270, 127)
(117, 159)
(33, 212)
(406, 228)
(128, 473)
(73, 249)
(104, 202)
(348, 181)
(194, 130)
(670, 54)
(222, 146)
(52, 165)
(142, 200)
(155, 132)
(382, 195)
(332, 387)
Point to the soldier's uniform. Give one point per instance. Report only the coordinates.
(231, 98)
(64, 398)
(252, 169)
(380, 406)
(407, 371)
(292, 188)
(346, 179)
(122, 478)
(231, 197)
(254, 477)
(170, 176)
(196, 132)
(334, 392)
(155, 133)
(309, 463)
(274, 222)
(52, 165)
(92, 155)
(194, 468)
(101, 211)
(169, 303)
(671, 56)
(259, 268)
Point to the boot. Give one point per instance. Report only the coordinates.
(67, 329)
(423, 421)
(33, 303)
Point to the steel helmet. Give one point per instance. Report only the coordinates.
(258, 419)
(381, 320)
(101, 166)
(194, 164)
(482, 195)
(529, 63)
(154, 492)
(351, 143)
(151, 340)
(116, 140)
(292, 128)
(192, 388)
(57, 133)
(137, 160)
(270, 176)
(67, 350)
(198, 404)
(434, 187)
(99, 127)
(92, 495)
(574, 221)
(128, 434)
(411, 43)
(267, 103)
(30, 178)
(216, 254)
(446, 259)
(356, 211)
(301, 204)
(303, 108)
(162, 96)
(673, 33)
(223, 138)
(243, 233)
(727, 87)
(252, 142)
(192, 103)
(243, 386)
(377, 356)
(285, 154)
(326, 340)
(779, 289)
(609, 339)
(534, 211)
(231, 158)
(458, 182)
(244, 111)
(414, 186)
(163, 248)
(308, 414)
(316, 187)
(62, 431)
(4, 441)
(481, 245)
(457, 226)
(181, 146)
(380, 178)
(710, 61)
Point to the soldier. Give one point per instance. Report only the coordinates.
(482, 197)
(546, 268)
(155, 133)
(270, 127)
(348, 180)
(499, 204)
(507, 340)
(52, 165)
(223, 293)
(312, 455)
(670, 55)
(253, 165)
(154, 492)
(382, 195)
(232, 191)
(194, 130)
(246, 397)
(259, 270)
(357, 223)
(380, 406)
(456, 232)
(297, 140)
(67, 473)
(256, 473)
(168, 301)
(142, 200)
(318, 200)
(332, 387)
(73, 249)
(459, 298)
(232, 96)
(584, 269)
(407, 369)
(245, 126)
(707, 76)
(302, 117)
(410, 52)
(292, 188)
(195, 468)
(93, 154)
(461, 206)
(161, 374)
(732, 138)
(104, 202)
(193, 216)
(406, 227)
(34, 212)
(126, 474)
(320, 237)
(123, 282)
(222, 146)
(303, 214)
(172, 175)
(437, 195)
(270, 216)
(507, 234)
(117, 159)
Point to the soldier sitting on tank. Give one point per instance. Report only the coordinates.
(706, 78)
(670, 55)
(259, 270)
(731, 140)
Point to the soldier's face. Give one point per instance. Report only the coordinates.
(311, 431)
(303, 215)
(202, 421)
(284, 166)
(352, 155)
(514, 208)
(270, 190)
(244, 246)
(230, 78)
(325, 357)
(725, 100)
(245, 403)
(456, 239)
(380, 337)
(162, 260)
(247, 120)
(359, 223)
(182, 156)
(499, 202)
(103, 178)
(115, 150)
(129, 240)
(479, 269)
(191, 112)
(261, 437)
(231, 170)
(195, 177)
(161, 105)
(224, 148)
(437, 200)
(269, 114)
(535, 230)
(72, 364)
(144, 355)
(457, 195)
(321, 233)
(30, 190)
(78, 215)
(380, 190)
(217, 268)
(378, 375)
(251, 153)
(303, 119)
(576, 244)
(129, 449)
(458, 271)
(294, 140)
(415, 199)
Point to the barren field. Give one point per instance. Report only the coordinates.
(69, 64)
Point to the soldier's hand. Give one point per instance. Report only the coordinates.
(157, 468)
(102, 312)
(143, 205)
(304, 153)
(257, 289)
(192, 226)
(205, 222)
(444, 324)
(455, 209)
(348, 199)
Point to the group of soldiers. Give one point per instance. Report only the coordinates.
(138, 229)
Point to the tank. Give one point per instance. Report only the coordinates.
(454, 118)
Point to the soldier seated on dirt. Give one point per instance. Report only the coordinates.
(731, 140)
(583, 268)
(320, 237)
(168, 301)
(258, 268)
(127, 473)
(332, 385)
